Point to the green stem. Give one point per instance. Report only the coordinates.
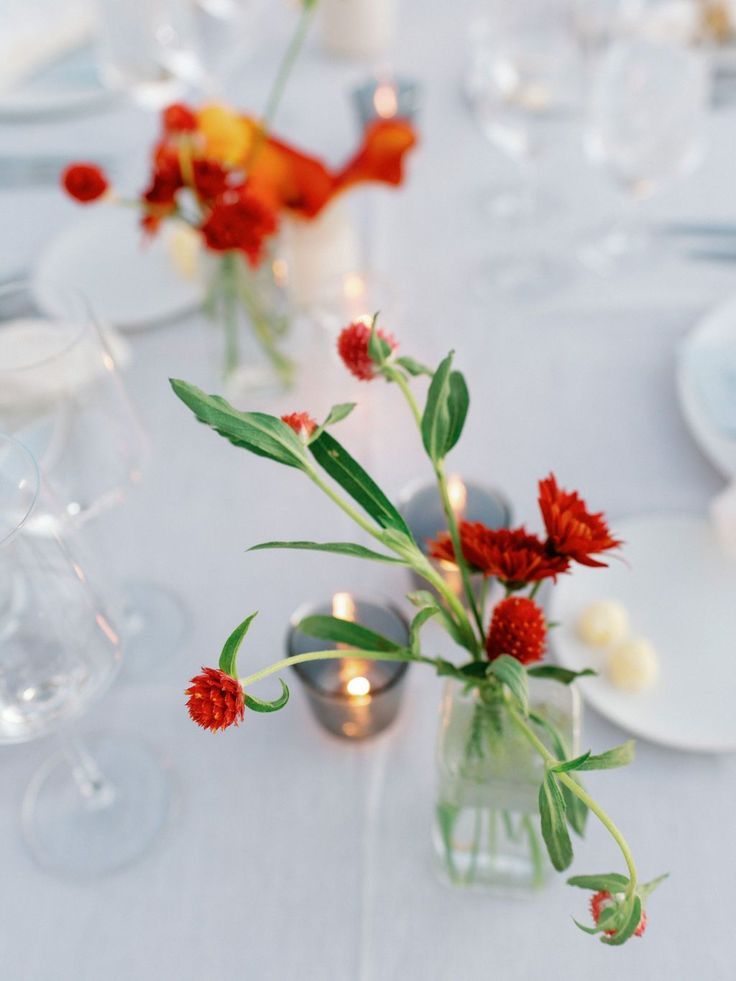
(228, 275)
(580, 793)
(264, 334)
(287, 63)
(331, 655)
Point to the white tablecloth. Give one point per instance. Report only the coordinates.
(294, 856)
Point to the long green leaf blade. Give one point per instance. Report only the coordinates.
(436, 417)
(339, 548)
(260, 705)
(458, 402)
(554, 826)
(619, 756)
(347, 632)
(612, 882)
(509, 671)
(564, 675)
(229, 654)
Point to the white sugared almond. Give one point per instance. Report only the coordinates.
(603, 623)
(633, 664)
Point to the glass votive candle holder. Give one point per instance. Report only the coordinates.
(386, 98)
(351, 697)
(421, 507)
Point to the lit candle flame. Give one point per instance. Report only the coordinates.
(385, 101)
(358, 686)
(458, 495)
(343, 607)
(280, 271)
(354, 287)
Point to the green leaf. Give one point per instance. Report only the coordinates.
(436, 417)
(340, 548)
(586, 929)
(258, 432)
(629, 926)
(612, 882)
(619, 756)
(336, 414)
(457, 404)
(337, 462)
(229, 654)
(378, 349)
(416, 625)
(567, 765)
(347, 632)
(577, 811)
(554, 825)
(509, 671)
(423, 598)
(259, 705)
(646, 890)
(555, 673)
(414, 368)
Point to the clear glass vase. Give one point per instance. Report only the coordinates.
(486, 826)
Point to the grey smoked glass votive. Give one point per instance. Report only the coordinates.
(353, 698)
(386, 98)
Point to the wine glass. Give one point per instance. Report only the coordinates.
(62, 395)
(84, 813)
(646, 130)
(525, 87)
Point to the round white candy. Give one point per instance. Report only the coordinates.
(633, 664)
(603, 623)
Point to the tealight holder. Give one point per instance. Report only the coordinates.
(353, 698)
(386, 98)
(421, 507)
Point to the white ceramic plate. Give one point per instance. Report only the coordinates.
(130, 283)
(680, 591)
(715, 329)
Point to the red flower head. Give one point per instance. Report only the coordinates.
(514, 557)
(572, 530)
(603, 900)
(239, 221)
(178, 118)
(210, 178)
(352, 346)
(215, 700)
(518, 629)
(84, 182)
(301, 422)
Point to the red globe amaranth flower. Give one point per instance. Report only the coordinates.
(301, 422)
(603, 900)
(239, 221)
(513, 556)
(572, 530)
(215, 700)
(210, 178)
(518, 629)
(178, 118)
(84, 182)
(352, 346)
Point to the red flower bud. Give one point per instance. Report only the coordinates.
(84, 182)
(352, 346)
(301, 422)
(518, 629)
(178, 118)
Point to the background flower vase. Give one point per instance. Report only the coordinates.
(486, 827)
(358, 28)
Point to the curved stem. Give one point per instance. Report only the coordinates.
(356, 516)
(332, 654)
(575, 788)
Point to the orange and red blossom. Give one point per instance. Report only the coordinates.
(216, 700)
(572, 531)
(84, 182)
(518, 628)
(604, 900)
(239, 221)
(352, 346)
(301, 422)
(513, 556)
(178, 118)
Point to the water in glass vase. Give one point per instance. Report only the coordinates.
(486, 828)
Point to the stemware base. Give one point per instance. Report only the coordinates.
(96, 810)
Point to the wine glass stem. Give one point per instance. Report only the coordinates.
(94, 788)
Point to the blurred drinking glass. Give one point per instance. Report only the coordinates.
(646, 130)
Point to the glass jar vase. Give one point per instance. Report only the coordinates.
(486, 825)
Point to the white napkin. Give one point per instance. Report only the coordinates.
(34, 33)
(723, 516)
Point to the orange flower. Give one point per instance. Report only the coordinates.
(573, 532)
(226, 136)
(513, 556)
(381, 157)
(215, 700)
(518, 629)
(84, 182)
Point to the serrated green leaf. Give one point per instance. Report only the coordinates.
(436, 417)
(229, 654)
(457, 404)
(262, 434)
(260, 705)
(555, 673)
(414, 368)
(619, 756)
(628, 929)
(416, 625)
(347, 632)
(567, 765)
(339, 548)
(347, 472)
(554, 823)
(509, 671)
(612, 882)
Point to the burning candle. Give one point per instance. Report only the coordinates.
(422, 509)
(351, 697)
(386, 98)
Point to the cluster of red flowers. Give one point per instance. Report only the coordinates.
(241, 178)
